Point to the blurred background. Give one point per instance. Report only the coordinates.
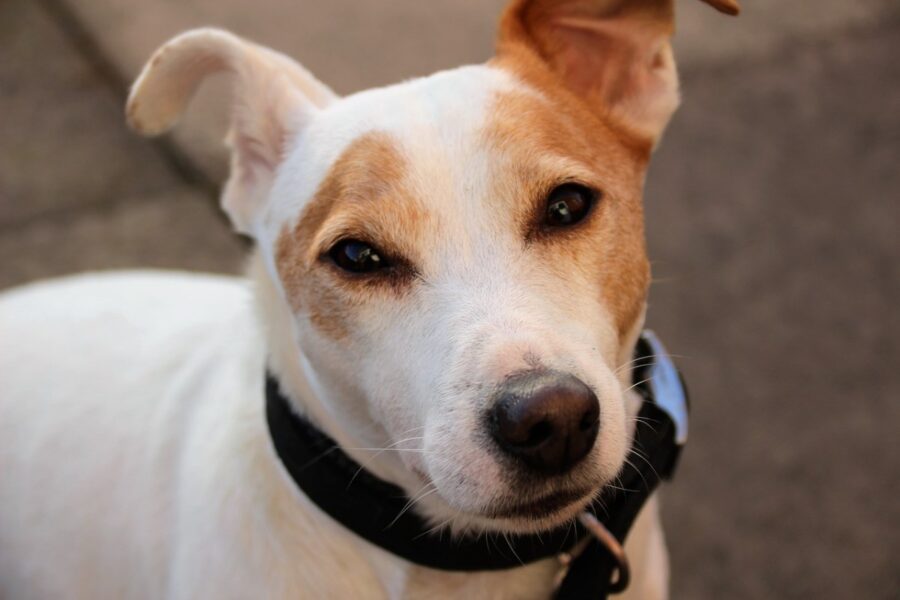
(773, 209)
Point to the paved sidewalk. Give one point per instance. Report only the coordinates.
(77, 189)
(772, 213)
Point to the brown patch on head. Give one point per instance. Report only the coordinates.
(362, 197)
(546, 139)
(614, 55)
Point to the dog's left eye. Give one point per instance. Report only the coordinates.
(568, 204)
(356, 256)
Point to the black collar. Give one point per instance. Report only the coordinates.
(370, 506)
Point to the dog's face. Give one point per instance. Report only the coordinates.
(462, 255)
(463, 237)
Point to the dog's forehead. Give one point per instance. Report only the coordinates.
(447, 172)
(434, 121)
(448, 101)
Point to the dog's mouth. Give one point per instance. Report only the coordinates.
(542, 507)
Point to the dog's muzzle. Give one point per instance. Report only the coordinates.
(376, 510)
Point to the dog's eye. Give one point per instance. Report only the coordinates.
(568, 204)
(356, 256)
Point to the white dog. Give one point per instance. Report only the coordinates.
(431, 258)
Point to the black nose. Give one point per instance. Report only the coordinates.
(549, 420)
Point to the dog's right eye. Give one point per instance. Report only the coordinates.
(357, 257)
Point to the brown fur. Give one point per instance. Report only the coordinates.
(516, 55)
(362, 197)
(581, 120)
(608, 247)
(614, 55)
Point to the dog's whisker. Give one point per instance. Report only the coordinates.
(391, 446)
(646, 360)
(411, 430)
(640, 454)
(643, 360)
(367, 464)
(512, 549)
(633, 466)
(620, 488)
(635, 384)
(378, 452)
(318, 457)
(651, 423)
(429, 489)
(439, 527)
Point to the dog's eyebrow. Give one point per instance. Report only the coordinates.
(367, 168)
(557, 166)
(370, 169)
(353, 225)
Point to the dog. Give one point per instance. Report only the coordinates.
(420, 250)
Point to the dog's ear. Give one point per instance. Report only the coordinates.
(614, 54)
(272, 100)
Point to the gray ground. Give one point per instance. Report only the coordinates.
(772, 211)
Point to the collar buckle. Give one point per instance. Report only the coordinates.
(665, 384)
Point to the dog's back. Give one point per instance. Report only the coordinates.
(105, 378)
(133, 451)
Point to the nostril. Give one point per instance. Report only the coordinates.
(590, 418)
(539, 433)
(587, 421)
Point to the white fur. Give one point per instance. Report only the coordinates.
(136, 462)
(134, 456)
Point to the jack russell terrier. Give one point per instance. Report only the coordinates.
(443, 307)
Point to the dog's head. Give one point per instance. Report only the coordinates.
(459, 259)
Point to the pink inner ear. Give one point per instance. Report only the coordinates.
(257, 147)
(265, 112)
(621, 63)
(251, 158)
(611, 56)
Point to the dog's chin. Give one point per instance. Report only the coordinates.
(543, 507)
(514, 515)
(540, 514)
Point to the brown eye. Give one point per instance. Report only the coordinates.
(568, 204)
(356, 256)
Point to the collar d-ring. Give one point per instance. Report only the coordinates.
(612, 545)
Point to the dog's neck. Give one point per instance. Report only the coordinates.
(291, 368)
(288, 364)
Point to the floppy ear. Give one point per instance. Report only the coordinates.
(273, 99)
(614, 54)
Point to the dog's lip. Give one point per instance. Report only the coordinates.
(543, 506)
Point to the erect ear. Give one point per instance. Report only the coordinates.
(614, 54)
(273, 99)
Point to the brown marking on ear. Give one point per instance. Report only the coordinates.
(607, 250)
(527, 67)
(614, 55)
(598, 51)
(362, 196)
